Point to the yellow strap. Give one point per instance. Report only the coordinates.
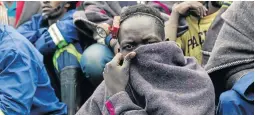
(1, 113)
(70, 49)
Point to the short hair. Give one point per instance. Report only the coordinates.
(140, 10)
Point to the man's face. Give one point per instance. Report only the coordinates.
(51, 10)
(54, 4)
(136, 31)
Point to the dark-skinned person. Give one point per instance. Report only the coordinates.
(199, 16)
(145, 78)
(55, 36)
(25, 85)
(104, 45)
(231, 63)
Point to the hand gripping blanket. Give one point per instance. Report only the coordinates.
(162, 82)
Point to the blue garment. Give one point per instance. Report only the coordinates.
(69, 57)
(40, 37)
(25, 85)
(38, 34)
(239, 100)
(93, 61)
(12, 9)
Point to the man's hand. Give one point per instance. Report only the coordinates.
(183, 7)
(116, 75)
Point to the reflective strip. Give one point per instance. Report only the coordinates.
(70, 49)
(1, 113)
(56, 35)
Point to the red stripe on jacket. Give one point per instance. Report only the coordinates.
(19, 9)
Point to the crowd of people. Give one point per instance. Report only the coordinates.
(127, 57)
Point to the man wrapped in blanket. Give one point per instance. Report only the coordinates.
(94, 14)
(149, 76)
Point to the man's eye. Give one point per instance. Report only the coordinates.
(128, 47)
(151, 42)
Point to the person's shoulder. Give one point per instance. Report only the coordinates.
(10, 39)
(69, 15)
(10, 52)
(229, 96)
(71, 11)
(36, 19)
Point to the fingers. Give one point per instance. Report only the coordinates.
(115, 62)
(201, 12)
(117, 58)
(127, 59)
(199, 9)
(195, 8)
(205, 10)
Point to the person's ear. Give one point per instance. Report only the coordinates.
(67, 6)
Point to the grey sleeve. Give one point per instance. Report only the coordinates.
(121, 104)
(89, 108)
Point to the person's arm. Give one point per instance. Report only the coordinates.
(171, 26)
(228, 104)
(118, 101)
(90, 107)
(47, 40)
(17, 80)
(63, 33)
(180, 9)
(92, 13)
(121, 103)
(40, 38)
(29, 30)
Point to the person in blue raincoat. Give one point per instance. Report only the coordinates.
(55, 36)
(25, 85)
(239, 100)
